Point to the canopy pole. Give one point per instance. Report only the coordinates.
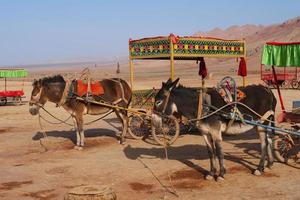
(278, 90)
(171, 59)
(5, 84)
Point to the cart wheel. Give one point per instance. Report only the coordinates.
(138, 126)
(168, 133)
(286, 84)
(282, 145)
(18, 101)
(295, 84)
(3, 101)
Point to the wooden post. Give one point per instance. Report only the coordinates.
(278, 90)
(200, 101)
(171, 58)
(244, 81)
(131, 72)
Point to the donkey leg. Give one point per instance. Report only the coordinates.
(211, 151)
(269, 152)
(263, 147)
(124, 125)
(81, 131)
(220, 155)
(77, 131)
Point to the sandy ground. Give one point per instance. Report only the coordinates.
(135, 170)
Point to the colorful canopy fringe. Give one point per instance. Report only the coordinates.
(13, 73)
(281, 54)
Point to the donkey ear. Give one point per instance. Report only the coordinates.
(173, 85)
(169, 81)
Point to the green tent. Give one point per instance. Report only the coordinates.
(281, 54)
(13, 73)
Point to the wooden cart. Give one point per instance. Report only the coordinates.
(176, 48)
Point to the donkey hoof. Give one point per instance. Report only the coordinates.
(220, 179)
(79, 148)
(122, 141)
(209, 177)
(257, 172)
(267, 169)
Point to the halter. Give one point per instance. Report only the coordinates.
(35, 99)
(165, 103)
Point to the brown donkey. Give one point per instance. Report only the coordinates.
(55, 89)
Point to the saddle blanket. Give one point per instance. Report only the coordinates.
(228, 95)
(82, 88)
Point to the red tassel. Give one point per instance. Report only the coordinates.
(174, 38)
(202, 68)
(242, 67)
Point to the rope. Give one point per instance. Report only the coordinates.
(115, 107)
(43, 132)
(172, 191)
(65, 121)
(60, 120)
(90, 122)
(229, 104)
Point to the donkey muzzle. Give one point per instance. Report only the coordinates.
(34, 109)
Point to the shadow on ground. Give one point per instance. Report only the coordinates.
(185, 154)
(71, 135)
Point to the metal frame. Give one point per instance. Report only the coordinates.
(268, 49)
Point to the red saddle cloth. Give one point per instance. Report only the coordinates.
(82, 88)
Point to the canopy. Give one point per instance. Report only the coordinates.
(13, 73)
(281, 54)
(185, 48)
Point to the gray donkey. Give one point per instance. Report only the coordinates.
(182, 101)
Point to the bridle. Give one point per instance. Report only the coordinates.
(36, 98)
(165, 102)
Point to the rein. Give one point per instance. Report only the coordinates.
(166, 102)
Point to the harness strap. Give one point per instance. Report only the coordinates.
(166, 102)
(63, 98)
(267, 115)
(122, 92)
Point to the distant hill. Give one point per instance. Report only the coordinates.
(257, 35)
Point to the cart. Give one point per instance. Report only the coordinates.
(281, 55)
(175, 48)
(286, 77)
(11, 96)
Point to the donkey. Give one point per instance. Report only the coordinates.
(55, 89)
(182, 101)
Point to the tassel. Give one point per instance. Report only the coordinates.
(202, 68)
(242, 67)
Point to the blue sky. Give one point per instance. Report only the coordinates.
(40, 31)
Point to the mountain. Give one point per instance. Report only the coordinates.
(257, 35)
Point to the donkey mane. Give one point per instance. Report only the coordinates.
(52, 79)
(186, 91)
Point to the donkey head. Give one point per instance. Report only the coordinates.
(163, 103)
(37, 98)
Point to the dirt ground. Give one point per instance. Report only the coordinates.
(135, 170)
